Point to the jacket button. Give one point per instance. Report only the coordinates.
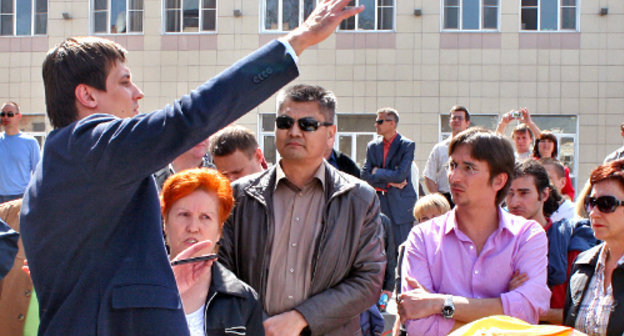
(20, 317)
(27, 293)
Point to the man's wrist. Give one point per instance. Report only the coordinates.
(300, 320)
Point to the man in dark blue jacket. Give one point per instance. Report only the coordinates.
(91, 218)
(388, 169)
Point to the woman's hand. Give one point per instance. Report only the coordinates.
(191, 274)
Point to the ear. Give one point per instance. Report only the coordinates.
(85, 96)
(258, 155)
(545, 193)
(499, 181)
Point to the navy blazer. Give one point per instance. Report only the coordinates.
(91, 219)
(397, 168)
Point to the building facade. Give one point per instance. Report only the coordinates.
(562, 59)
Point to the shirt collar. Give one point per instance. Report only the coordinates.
(318, 175)
(506, 222)
(389, 142)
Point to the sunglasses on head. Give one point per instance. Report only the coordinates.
(307, 124)
(381, 121)
(606, 204)
(7, 114)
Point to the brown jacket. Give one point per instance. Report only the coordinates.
(349, 260)
(16, 286)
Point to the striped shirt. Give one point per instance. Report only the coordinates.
(596, 307)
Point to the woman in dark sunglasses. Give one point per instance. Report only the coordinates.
(595, 297)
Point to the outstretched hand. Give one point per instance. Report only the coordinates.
(321, 23)
(188, 275)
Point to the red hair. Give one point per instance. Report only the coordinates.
(188, 181)
(613, 170)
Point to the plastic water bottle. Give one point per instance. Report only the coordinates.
(383, 302)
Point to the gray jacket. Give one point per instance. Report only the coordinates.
(349, 260)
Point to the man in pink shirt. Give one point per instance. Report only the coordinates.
(458, 266)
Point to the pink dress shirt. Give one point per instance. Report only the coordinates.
(444, 260)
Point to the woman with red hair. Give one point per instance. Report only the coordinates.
(195, 204)
(596, 288)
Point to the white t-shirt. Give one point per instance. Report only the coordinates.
(565, 210)
(196, 322)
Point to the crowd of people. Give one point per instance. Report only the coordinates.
(173, 223)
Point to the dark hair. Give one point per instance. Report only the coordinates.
(391, 112)
(554, 163)
(546, 135)
(460, 108)
(232, 138)
(495, 150)
(522, 128)
(12, 103)
(613, 170)
(77, 60)
(302, 93)
(542, 182)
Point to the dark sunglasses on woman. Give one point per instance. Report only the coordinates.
(307, 124)
(7, 114)
(606, 204)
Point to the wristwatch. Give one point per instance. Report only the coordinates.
(448, 310)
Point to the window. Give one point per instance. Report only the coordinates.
(355, 131)
(23, 17)
(117, 16)
(190, 16)
(470, 15)
(564, 127)
(284, 15)
(378, 15)
(549, 15)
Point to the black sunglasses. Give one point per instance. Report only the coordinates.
(307, 124)
(7, 114)
(606, 204)
(381, 121)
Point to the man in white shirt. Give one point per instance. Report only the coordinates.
(436, 175)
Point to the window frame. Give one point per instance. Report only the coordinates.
(280, 13)
(200, 23)
(33, 15)
(92, 12)
(461, 18)
(577, 29)
(376, 13)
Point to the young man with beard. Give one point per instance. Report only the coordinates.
(532, 197)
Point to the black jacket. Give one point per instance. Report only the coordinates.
(349, 259)
(582, 272)
(232, 307)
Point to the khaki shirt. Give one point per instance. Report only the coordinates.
(298, 214)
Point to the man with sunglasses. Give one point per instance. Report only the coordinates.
(436, 177)
(388, 168)
(91, 221)
(19, 154)
(305, 236)
(458, 266)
